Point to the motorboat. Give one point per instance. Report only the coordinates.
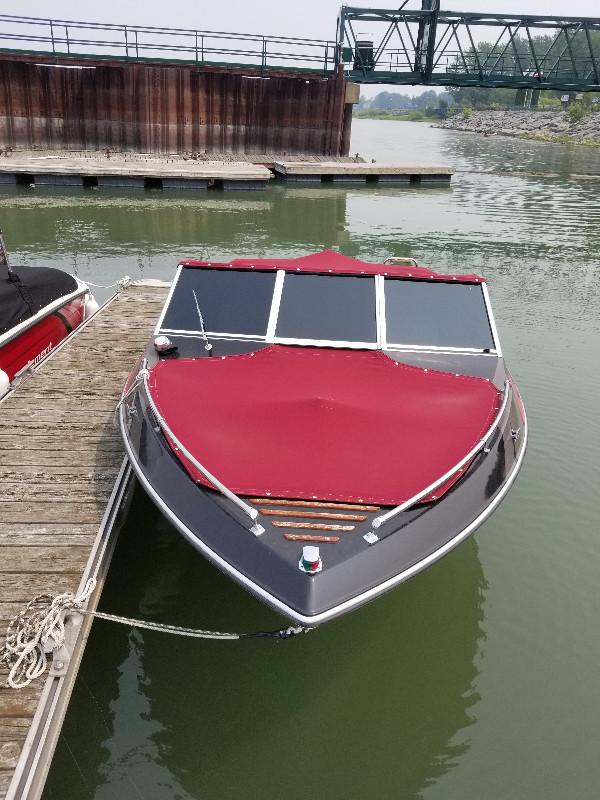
(323, 428)
(39, 308)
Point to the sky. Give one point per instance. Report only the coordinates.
(311, 19)
(307, 19)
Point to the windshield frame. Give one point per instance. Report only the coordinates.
(379, 343)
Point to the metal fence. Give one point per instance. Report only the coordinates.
(61, 38)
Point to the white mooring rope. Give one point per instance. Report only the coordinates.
(122, 283)
(130, 390)
(43, 619)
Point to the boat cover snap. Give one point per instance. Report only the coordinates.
(326, 424)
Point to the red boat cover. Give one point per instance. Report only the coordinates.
(330, 261)
(326, 424)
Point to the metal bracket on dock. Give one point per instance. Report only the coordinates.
(61, 657)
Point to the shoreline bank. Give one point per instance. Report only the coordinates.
(545, 126)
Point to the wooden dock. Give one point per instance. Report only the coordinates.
(131, 170)
(59, 458)
(336, 172)
(195, 171)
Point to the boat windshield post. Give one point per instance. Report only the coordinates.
(371, 537)
(256, 528)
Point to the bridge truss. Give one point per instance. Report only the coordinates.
(447, 48)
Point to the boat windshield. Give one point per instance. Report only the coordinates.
(327, 308)
(232, 302)
(425, 313)
(334, 310)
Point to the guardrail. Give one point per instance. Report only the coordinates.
(62, 38)
(372, 537)
(256, 528)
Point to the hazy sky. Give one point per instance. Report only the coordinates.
(309, 19)
(313, 19)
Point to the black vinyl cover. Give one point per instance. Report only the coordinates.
(30, 290)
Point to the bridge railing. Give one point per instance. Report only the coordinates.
(61, 38)
(472, 65)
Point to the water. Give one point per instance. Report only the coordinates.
(478, 678)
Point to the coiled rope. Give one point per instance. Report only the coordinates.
(30, 631)
(39, 629)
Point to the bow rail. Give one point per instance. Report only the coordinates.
(372, 537)
(256, 528)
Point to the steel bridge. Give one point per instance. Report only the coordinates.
(417, 43)
(447, 48)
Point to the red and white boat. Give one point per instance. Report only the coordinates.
(323, 428)
(39, 307)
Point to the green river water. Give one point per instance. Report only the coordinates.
(478, 679)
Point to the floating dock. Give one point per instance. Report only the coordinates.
(131, 172)
(336, 172)
(62, 479)
(200, 172)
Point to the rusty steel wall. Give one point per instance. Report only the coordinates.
(152, 108)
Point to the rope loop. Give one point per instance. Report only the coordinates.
(143, 373)
(39, 629)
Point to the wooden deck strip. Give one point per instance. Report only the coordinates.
(315, 526)
(59, 456)
(312, 514)
(267, 501)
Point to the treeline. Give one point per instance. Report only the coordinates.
(386, 101)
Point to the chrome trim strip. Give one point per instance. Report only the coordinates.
(327, 343)
(216, 335)
(380, 319)
(392, 348)
(492, 321)
(379, 521)
(159, 323)
(275, 304)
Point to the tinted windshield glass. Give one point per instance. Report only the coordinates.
(327, 307)
(436, 314)
(231, 301)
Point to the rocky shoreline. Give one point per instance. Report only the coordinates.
(546, 126)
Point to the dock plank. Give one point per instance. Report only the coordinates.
(59, 456)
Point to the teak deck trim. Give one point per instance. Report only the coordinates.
(313, 514)
(315, 526)
(311, 504)
(60, 457)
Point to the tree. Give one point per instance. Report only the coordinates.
(429, 98)
(385, 101)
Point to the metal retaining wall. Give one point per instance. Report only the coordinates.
(88, 104)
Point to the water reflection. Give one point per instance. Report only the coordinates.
(369, 695)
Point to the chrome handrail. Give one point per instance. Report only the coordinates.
(379, 521)
(257, 529)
